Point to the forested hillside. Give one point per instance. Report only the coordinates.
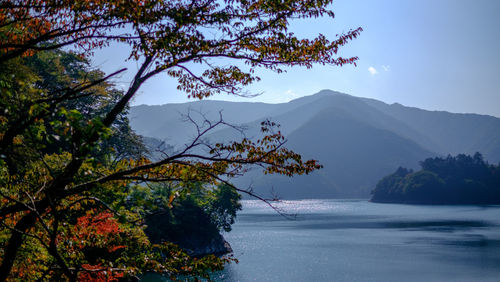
(462, 179)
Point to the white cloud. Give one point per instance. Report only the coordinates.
(291, 94)
(372, 70)
(279, 96)
(386, 68)
(287, 96)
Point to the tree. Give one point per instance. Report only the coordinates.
(59, 192)
(92, 248)
(223, 207)
(194, 219)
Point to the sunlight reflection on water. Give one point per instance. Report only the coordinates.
(342, 240)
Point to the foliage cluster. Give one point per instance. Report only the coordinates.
(100, 232)
(461, 179)
(191, 216)
(68, 159)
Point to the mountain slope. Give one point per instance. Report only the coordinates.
(358, 140)
(354, 153)
(450, 133)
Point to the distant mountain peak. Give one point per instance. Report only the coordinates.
(330, 92)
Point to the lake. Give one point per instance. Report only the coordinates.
(355, 240)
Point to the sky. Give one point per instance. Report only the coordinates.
(430, 54)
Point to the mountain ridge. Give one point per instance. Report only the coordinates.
(333, 123)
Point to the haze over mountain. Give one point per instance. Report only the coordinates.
(358, 140)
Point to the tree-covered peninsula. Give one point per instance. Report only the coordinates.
(462, 179)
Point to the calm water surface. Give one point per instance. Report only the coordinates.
(335, 240)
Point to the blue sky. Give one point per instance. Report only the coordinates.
(436, 55)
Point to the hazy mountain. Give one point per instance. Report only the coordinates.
(358, 140)
(450, 133)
